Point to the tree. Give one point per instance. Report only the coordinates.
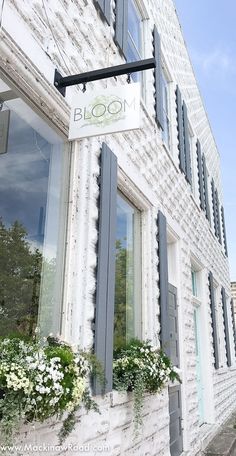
(124, 312)
(20, 276)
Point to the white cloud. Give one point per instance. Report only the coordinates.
(216, 62)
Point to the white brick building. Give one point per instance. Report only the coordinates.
(169, 207)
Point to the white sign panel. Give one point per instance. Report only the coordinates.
(105, 111)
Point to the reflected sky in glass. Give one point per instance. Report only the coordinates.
(24, 172)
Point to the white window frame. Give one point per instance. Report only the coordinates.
(201, 302)
(133, 46)
(134, 195)
(142, 11)
(166, 111)
(137, 257)
(219, 325)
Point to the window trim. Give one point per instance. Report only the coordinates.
(137, 255)
(50, 131)
(166, 115)
(129, 36)
(134, 195)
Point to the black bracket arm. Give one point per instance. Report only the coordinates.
(127, 68)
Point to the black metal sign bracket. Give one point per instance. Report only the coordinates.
(61, 82)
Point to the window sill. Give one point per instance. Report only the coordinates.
(196, 301)
(150, 118)
(124, 397)
(170, 155)
(224, 370)
(119, 397)
(195, 202)
(217, 240)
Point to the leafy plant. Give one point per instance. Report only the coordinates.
(141, 368)
(39, 381)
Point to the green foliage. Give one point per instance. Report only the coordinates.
(38, 382)
(20, 275)
(141, 368)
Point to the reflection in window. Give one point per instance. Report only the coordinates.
(30, 212)
(194, 283)
(166, 119)
(128, 271)
(134, 48)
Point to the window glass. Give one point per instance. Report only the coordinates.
(194, 283)
(134, 30)
(134, 47)
(31, 214)
(166, 119)
(128, 267)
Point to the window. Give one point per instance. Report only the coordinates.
(194, 283)
(196, 280)
(183, 137)
(129, 31)
(219, 320)
(166, 116)
(134, 46)
(134, 50)
(105, 9)
(32, 172)
(128, 272)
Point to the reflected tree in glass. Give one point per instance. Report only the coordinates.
(20, 276)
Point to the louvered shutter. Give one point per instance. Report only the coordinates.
(105, 8)
(213, 318)
(180, 127)
(121, 25)
(104, 317)
(158, 79)
(218, 216)
(4, 130)
(187, 144)
(224, 230)
(200, 176)
(163, 282)
(214, 207)
(226, 327)
(233, 324)
(205, 179)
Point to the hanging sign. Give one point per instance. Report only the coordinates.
(105, 111)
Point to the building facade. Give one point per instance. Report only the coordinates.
(69, 210)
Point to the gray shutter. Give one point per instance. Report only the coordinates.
(200, 175)
(4, 130)
(187, 144)
(163, 283)
(180, 127)
(233, 324)
(175, 426)
(207, 207)
(218, 216)
(105, 8)
(214, 207)
(121, 25)
(104, 318)
(158, 79)
(173, 325)
(224, 230)
(213, 318)
(226, 327)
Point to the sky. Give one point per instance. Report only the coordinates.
(210, 34)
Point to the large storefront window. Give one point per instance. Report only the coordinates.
(128, 272)
(33, 165)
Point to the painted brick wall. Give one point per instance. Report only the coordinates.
(70, 36)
